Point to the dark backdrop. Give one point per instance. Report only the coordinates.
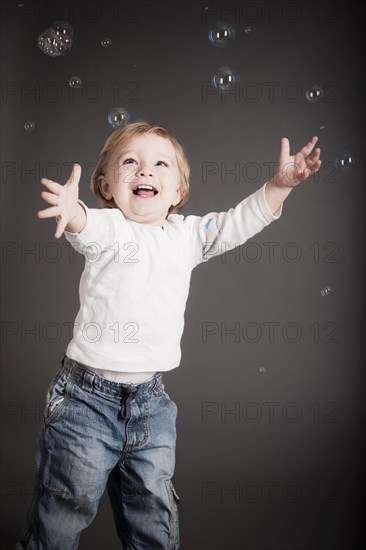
(270, 447)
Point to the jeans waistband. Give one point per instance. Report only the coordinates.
(88, 380)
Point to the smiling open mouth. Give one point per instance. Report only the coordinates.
(145, 191)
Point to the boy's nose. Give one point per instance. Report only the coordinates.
(145, 171)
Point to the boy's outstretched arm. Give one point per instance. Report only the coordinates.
(70, 215)
(291, 171)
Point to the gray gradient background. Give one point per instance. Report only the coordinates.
(168, 44)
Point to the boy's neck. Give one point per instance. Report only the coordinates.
(157, 224)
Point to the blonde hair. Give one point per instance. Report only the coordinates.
(119, 138)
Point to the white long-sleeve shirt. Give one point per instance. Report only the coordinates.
(134, 287)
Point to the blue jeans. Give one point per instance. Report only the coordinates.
(97, 433)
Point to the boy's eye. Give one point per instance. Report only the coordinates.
(133, 160)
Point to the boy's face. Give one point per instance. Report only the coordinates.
(147, 159)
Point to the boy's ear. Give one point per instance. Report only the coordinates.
(178, 196)
(104, 188)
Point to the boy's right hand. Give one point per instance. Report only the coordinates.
(64, 200)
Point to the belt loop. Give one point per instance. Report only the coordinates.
(158, 381)
(88, 381)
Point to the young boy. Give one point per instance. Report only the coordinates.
(108, 421)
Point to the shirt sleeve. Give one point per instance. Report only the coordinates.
(215, 233)
(97, 235)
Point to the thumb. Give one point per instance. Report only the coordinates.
(75, 174)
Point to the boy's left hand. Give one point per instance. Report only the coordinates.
(296, 168)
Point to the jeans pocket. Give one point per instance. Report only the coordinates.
(56, 398)
(169, 400)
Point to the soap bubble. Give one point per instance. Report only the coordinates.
(57, 39)
(225, 78)
(49, 44)
(326, 291)
(247, 30)
(29, 126)
(345, 161)
(75, 82)
(315, 93)
(118, 117)
(221, 34)
(262, 369)
(322, 127)
(106, 42)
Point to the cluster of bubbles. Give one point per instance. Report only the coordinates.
(345, 161)
(326, 291)
(221, 35)
(57, 39)
(262, 369)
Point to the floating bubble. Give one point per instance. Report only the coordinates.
(262, 369)
(315, 93)
(247, 30)
(106, 42)
(75, 82)
(221, 34)
(57, 39)
(225, 78)
(326, 291)
(29, 126)
(322, 127)
(345, 161)
(49, 44)
(118, 117)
